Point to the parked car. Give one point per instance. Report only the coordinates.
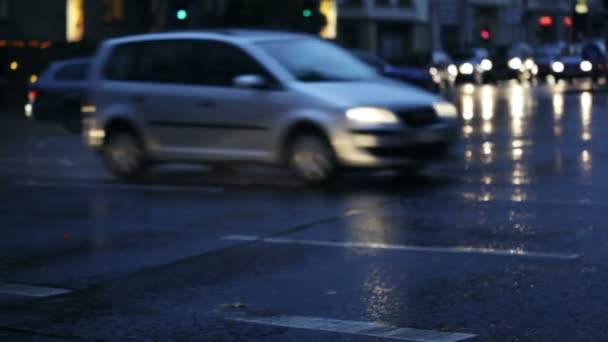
(420, 77)
(57, 95)
(595, 52)
(239, 95)
(474, 65)
(571, 65)
(513, 63)
(442, 68)
(544, 57)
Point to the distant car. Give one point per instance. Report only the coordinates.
(57, 95)
(571, 65)
(258, 96)
(420, 77)
(595, 52)
(442, 68)
(474, 65)
(514, 63)
(543, 58)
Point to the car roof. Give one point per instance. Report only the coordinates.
(65, 62)
(243, 35)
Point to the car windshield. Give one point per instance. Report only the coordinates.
(313, 60)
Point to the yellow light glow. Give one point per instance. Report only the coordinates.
(467, 130)
(14, 65)
(33, 78)
(487, 102)
(586, 108)
(468, 89)
(487, 128)
(581, 8)
(468, 107)
(74, 20)
(329, 9)
(558, 106)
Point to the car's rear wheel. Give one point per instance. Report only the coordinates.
(311, 159)
(124, 154)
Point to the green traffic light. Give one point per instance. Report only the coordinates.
(307, 13)
(182, 14)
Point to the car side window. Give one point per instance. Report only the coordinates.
(163, 61)
(72, 72)
(217, 64)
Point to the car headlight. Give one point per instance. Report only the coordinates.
(433, 71)
(529, 64)
(466, 69)
(586, 66)
(371, 115)
(453, 70)
(445, 110)
(487, 65)
(558, 67)
(515, 63)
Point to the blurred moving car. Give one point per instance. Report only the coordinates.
(595, 52)
(474, 65)
(443, 69)
(512, 63)
(416, 76)
(242, 95)
(544, 56)
(571, 65)
(57, 95)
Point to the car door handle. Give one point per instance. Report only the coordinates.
(206, 104)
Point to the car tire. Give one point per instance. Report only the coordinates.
(124, 154)
(311, 158)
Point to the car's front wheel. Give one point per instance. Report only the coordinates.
(124, 154)
(311, 159)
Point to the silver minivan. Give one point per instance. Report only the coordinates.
(263, 96)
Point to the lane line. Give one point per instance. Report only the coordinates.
(372, 329)
(30, 290)
(35, 184)
(60, 161)
(408, 248)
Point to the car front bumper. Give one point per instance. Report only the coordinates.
(369, 148)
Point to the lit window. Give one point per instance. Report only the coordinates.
(114, 10)
(74, 20)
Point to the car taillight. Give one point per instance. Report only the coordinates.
(32, 95)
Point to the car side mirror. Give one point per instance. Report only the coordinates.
(250, 82)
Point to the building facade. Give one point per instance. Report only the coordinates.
(394, 29)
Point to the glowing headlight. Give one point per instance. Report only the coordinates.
(558, 67)
(371, 115)
(487, 65)
(586, 66)
(529, 64)
(515, 63)
(445, 110)
(466, 69)
(453, 70)
(433, 71)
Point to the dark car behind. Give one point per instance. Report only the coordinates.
(57, 95)
(420, 77)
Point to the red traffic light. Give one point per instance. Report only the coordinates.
(568, 21)
(485, 34)
(545, 20)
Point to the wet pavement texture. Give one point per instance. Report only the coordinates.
(505, 241)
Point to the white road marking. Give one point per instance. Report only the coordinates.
(378, 330)
(117, 186)
(60, 161)
(408, 248)
(31, 291)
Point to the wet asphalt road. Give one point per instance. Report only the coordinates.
(506, 241)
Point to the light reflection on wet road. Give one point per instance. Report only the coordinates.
(526, 177)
